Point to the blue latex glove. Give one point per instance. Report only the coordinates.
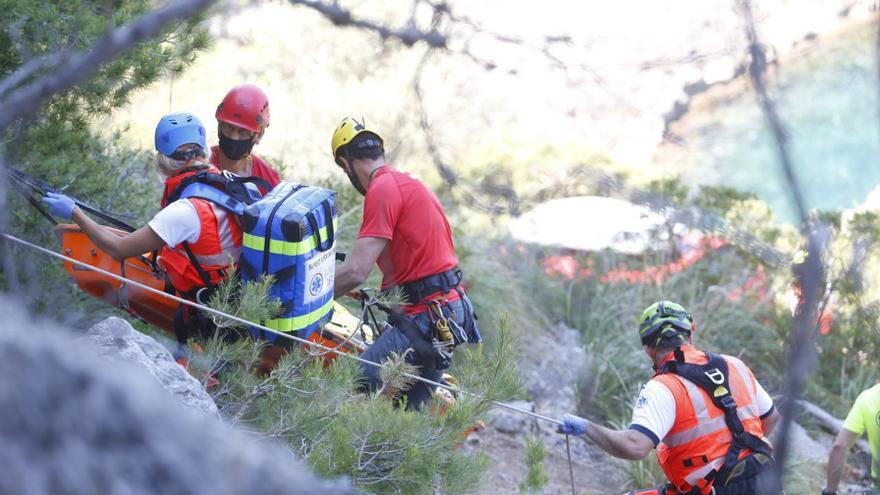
(572, 425)
(59, 205)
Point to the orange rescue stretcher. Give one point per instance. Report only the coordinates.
(344, 331)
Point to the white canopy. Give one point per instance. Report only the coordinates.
(588, 223)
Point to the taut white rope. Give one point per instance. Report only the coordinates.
(266, 329)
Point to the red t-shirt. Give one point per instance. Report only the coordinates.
(398, 207)
(259, 168)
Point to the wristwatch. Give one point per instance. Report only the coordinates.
(826, 492)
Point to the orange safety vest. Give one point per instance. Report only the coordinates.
(218, 245)
(700, 438)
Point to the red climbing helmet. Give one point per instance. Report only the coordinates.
(245, 106)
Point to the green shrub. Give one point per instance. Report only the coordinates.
(536, 477)
(382, 448)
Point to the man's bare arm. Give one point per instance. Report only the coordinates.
(358, 265)
(837, 457)
(138, 242)
(625, 444)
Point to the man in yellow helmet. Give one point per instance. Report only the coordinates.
(405, 231)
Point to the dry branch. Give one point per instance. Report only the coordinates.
(808, 275)
(263, 388)
(410, 35)
(830, 424)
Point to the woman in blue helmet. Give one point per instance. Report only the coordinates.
(197, 239)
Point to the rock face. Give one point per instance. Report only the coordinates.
(550, 366)
(803, 448)
(116, 340)
(507, 421)
(70, 426)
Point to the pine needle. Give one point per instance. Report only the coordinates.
(249, 301)
(392, 375)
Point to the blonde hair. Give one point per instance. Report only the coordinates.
(169, 167)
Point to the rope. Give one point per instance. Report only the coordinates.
(266, 329)
(570, 465)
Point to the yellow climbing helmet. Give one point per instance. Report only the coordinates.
(347, 130)
(664, 319)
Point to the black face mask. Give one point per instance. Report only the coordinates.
(235, 149)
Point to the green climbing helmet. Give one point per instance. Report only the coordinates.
(664, 319)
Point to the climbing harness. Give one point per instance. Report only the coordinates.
(435, 347)
(442, 342)
(713, 378)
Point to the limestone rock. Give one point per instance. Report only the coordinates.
(508, 421)
(70, 426)
(117, 340)
(803, 447)
(551, 366)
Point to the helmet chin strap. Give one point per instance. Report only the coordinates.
(678, 353)
(356, 183)
(352, 175)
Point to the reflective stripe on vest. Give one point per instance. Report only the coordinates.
(705, 428)
(286, 248)
(699, 438)
(695, 476)
(299, 322)
(229, 233)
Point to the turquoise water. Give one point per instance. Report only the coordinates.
(828, 99)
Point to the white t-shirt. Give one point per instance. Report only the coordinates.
(176, 223)
(654, 412)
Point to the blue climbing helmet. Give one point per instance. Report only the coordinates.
(177, 129)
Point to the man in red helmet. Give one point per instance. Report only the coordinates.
(242, 118)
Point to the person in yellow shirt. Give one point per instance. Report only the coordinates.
(864, 417)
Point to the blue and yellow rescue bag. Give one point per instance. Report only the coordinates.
(291, 234)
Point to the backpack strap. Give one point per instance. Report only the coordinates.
(243, 189)
(206, 279)
(247, 189)
(713, 377)
(214, 195)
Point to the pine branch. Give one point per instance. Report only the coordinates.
(265, 387)
(79, 66)
(249, 301)
(536, 477)
(394, 382)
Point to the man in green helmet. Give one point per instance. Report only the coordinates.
(705, 413)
